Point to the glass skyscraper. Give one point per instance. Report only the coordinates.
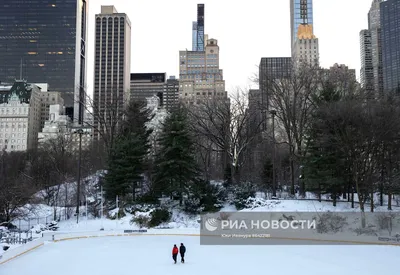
(200, 28)
(194, 36)
(301, 12)
(45, 42)
(390, 35)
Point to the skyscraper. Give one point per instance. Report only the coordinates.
(374, 26)
(390, 34)
(112, 63)
(194, 36)
(305, 47)
(50, 38)
(200, 28)
(367, 68)
(301, 13)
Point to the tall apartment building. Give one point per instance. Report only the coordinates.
(112, 63)
(171, 93)
(367, 67)
(199, 74)
(50, 40)
(270, 69)
(390, 35)
(374, 26)
(301, 13)
(371, 74)
(19, 116)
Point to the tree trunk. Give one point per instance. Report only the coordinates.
(389, 201)
(352, 199)
(372, 201)
(292, 178)
(319, 193)
(334, 198)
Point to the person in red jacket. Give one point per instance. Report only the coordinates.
(175, 252)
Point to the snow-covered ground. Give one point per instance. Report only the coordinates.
(152, 255)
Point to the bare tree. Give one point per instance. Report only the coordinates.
(107, 115)
(291, 98)
(58, 152)
(226, 124)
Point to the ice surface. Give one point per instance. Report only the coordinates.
(151, 255)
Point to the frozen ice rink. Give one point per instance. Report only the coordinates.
(151, 255)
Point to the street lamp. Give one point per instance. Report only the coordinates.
(273, 113)
(80, 132)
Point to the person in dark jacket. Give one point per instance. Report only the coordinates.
(182, 251)
(175, 252)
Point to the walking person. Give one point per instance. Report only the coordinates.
(175, 252)
(182, 251)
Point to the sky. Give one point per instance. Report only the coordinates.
(245, 30)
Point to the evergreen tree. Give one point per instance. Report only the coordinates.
(175, 165)
(324, 164)
(128, 160)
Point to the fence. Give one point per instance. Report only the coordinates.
(27, 223)
(16, 237)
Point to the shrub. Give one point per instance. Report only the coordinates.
(159, 216)
(204, 197)
(241, 193)
(141, 221)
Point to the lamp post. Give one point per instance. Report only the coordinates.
(78, 191)
(273, 113)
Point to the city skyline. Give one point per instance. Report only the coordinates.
(157, 51)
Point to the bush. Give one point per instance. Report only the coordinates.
(159, 216)
(142, 221)
(204, 197)
(330, 223)
(241, 194)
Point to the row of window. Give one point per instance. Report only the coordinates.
(7, 135)
(18, 147)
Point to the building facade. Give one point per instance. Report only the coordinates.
(51, 42)
(59, 128)
(112, 63)
(301, 13)
(146, 85)
(270, 69)
(46, 100)
(367, 68)
(19, 116)
(374, 26)
(171, 94)
(194, 36)
(199, 74)
(306, 47)
(390, 31)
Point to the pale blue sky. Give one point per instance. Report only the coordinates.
(245, 30)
